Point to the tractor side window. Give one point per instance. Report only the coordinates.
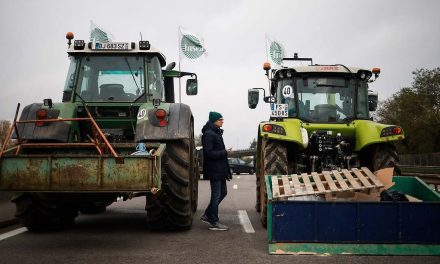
(286, 95)
(362, 109)
(70, 80)
(155, 80)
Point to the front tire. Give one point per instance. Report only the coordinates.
(274, 163)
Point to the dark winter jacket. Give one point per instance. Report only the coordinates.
(215, 157)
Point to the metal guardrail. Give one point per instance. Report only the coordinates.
(429, 174)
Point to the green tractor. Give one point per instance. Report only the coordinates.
(320, 121)
(117, 134)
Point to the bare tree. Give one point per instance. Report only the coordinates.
(4, 128)
(253, 144)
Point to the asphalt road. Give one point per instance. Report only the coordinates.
(120, 235)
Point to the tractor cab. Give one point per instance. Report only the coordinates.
(319, 93)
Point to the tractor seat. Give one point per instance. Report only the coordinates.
(112, 92)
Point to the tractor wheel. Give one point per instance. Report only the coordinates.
(173, 206)
(274, 163)
(39, 212)
(385, 156)
(195, 183)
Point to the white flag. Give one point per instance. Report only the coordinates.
(99, 35)
(275, 52)
(191, 45)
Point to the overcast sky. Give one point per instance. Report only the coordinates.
(397, 36)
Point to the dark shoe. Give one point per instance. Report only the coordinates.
(218, 227)
(205, 219)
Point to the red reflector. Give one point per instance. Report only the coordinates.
(163, 122)
(397, 130)
(41, 114)
(161, 114)
(267, 128)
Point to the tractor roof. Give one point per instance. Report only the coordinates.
(325, 68)
(128, 48)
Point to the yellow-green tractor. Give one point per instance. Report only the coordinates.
(320, 121)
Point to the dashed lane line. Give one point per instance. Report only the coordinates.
(13, 233)
(245, 222)
(235, 187)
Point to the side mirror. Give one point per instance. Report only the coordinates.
(170, 66)
(372, 100)
(191, 86)
(253, 96)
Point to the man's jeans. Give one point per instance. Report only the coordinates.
(218, 192)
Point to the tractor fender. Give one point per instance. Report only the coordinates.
(293, 132)
(179, 118)
(369, 133)
(55, 131)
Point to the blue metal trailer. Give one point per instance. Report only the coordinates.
(357, 227)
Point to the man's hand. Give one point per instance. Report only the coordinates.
(229, 177)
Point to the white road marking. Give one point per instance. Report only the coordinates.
(235, 187)
(238, 177)
(245, 222)
(13, 233)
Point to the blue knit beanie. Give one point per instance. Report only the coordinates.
(214, 116)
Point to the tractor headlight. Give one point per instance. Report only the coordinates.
(391, 131)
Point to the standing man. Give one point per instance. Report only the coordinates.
(215, 168)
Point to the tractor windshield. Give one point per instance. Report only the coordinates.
(324, 100)
(119, 78)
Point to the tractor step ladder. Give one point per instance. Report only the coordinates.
(327, 182)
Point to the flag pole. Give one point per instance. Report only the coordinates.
(267, 56)
(178, 46)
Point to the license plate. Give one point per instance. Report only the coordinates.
(111, 46)
(279, 110)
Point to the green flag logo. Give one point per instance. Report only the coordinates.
(191, 46)
(276, 52)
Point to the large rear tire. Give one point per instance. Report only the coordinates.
(41, 212)
(173, 206)
(274, 163)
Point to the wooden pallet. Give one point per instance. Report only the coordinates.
(326, 182)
